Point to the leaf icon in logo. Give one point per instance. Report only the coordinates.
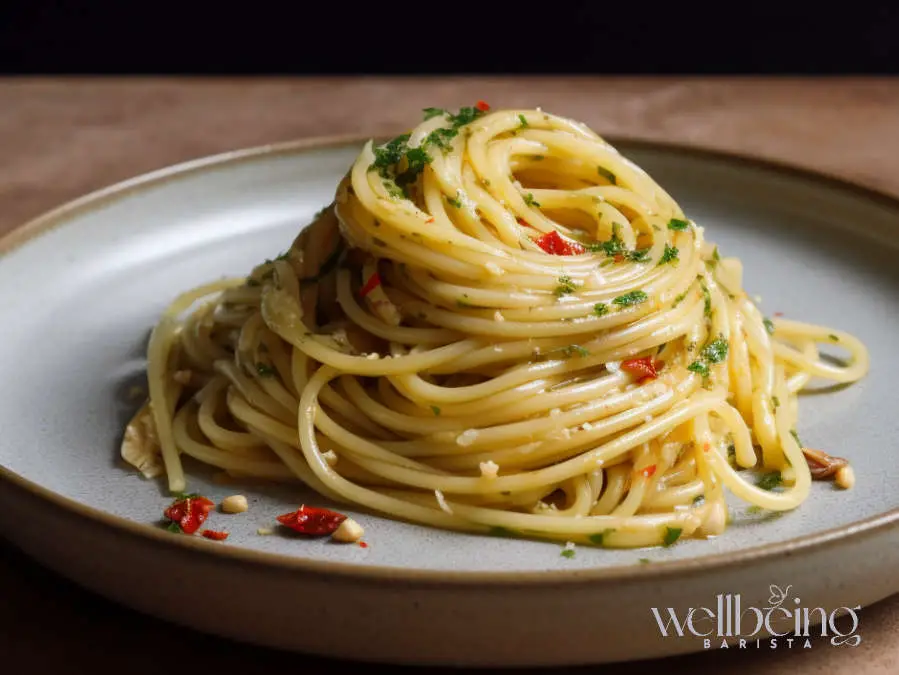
(778, 594)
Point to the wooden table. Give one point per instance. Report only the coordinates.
(62, 138)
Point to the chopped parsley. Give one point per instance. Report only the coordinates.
(599, 537)
(715, 351)
(575, 349)
(500, 531)
(678, 224)
(715, 258)
(630, 299)
(833, 338)
(707, 298)
(434, 112)
(640, 255)
(754, 509)
(769, 481)
(672, 534)
(644, 561)
(600, 309)
(538, 158)
(455, 201)
(435, 410)
(769, 325)
(567, 553)
(530, 201)
(264, 370)
(174, 528)
(608, 175)
(523, 120)
(566, 286)
(679, 299)
(669, 255)
(699, 367)
(389, 156)
(795, 435)
(776, 402)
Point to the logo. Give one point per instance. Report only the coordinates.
(781, 623)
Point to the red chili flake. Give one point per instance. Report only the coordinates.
(483, 106)
(618, 258)
(430, 220)
(649, 471)
(362, 544)
(706, 447)
(373, 282)
(554, 244)
(215, 535)
(189, 512)
(312, 520)
(522, 221)
(778, 313)
(645, 368)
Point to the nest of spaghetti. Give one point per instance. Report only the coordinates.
(500, 325)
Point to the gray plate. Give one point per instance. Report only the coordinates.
(82, 287)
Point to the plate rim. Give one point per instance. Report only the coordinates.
(701, 564)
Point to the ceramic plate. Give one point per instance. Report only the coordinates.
(81, 288)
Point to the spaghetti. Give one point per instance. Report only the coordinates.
(502, 325)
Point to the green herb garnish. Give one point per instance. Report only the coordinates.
(435, 410)
(669, 255)
(769, 325)
(523, 120)
(672, 534)
(500, 531)
(699, 367)
(455, 201)
(566, 286)
(679, 299)
(833, 338)
(575, 349)
(776, 402)
(769, 481)
(530, 201)
(608, 175)
(568, 553)
(641, 255)
(644, 561)
(174, 528)
(678, 224)
(600, 309)
(708, 299)
(630, 299)
(434, 112)
(715, 351)
(265, 370)
(795, 435)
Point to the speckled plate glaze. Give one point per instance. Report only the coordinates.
(81, 287)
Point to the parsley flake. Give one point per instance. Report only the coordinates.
(434, 112)
(435, 410)
(795, 435)
(630, 299)
(715, 351)
(669, 255)
(769, 325)
(699, 367)
(566, 286)
(776, 402)
(608, 175)
(600, 309)
(456, 202)
(264, 370)
(575, 349)
(769, 481)
(678, 224)
(174, 528)
(672, 534)
(833, 338)
(500, 531)
(530, 201)
(567, 553)
(644, 561)
(523, 121)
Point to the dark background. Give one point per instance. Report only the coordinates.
(515, 36)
